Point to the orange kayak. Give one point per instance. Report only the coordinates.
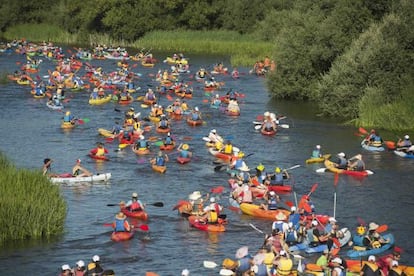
(194, 222)
(121, 236)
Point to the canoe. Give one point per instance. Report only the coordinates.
(403, 154)
(360, 251)
(371, 148)
(191, 122)
(268, 132)
(141, 215)
(317, 159)
(100, 101)
(54, 107)
(183, 160)
(68, 178)
(67, 125)
(256, 211)
(160, 169)
(330, 166)
(122, 236)
(194, 222)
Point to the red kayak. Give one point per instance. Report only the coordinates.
(92, 154)
(142, 215)
(268, 132)
(191, 122)
(122, 236)
(280, 188)
(183, 160)
(196, 223)
(223, 156)
(167, 147)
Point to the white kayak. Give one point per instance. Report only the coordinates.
(72, 179)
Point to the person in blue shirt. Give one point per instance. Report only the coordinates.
(168, 140)
(316, 153)
(160, 159)
(184, 151)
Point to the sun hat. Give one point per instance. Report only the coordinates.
(213, 131)
(65, 267)
(290, 224)
(341, 154)
(280, 216)
(195, 195)
(332, 219)
(371, 258)
(277, 170)
(80, 263)
(266, 114)
(314, 223)
(337, 260)
(372, 226)
(96, 258)
(134, 194)
(142, 137)
(185, 272)
(185, 147)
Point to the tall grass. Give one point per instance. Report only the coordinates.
(30, 205)
(395, 116)
(3, 77)
(244, 50)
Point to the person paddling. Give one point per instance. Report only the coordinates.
(121, 224)
(79, 171)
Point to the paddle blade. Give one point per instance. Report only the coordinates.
(336, 179)
(217, 190)
(218, 168)
(382, 228)
(157, 204)
(314, 187)
(362, 130)
(209, 264)
(361, 221)
(80, 121)
(143, 227)
(390, 145)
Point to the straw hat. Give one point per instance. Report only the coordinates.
(280, 216)
(242, 252)
(120, 215)
(372, 226)
(195, 195)
(185, 147)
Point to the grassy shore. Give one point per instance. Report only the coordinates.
(31, 206)
(244, 50)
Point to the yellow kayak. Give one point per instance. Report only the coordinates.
(105, 132)
(100, 101)
(318, 159)
(256, 211)
(67, 125)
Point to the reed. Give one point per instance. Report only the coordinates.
(40, 32)
(3, 77)
(31, 206)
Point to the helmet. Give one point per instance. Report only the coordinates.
(134, 194)
(168, 134)
(213, 131)
(277, 170)
(196, 108)
(185, 147)
(293, 208)
(406, 137)
(360, 230)
(80, 263)
(318, 146)
(132, 109)
(241, 154)
(266, 114)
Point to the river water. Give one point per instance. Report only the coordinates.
(31, 132)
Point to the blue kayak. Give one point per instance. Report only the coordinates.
(403, 154)
(355, 254)
(371, 148)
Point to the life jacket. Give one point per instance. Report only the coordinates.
(284, 267)
(228, 149)
(143, 144)
(212, 216)
(244, 264)
(395, 271)
(268, 259)
(119, 225)
(168, 141)
(342, 163)
(164, 123)
(100, 152)
(272, 203)
(278, 179)
(184, 153)
(194, 116)
(137, 125)
(262, 270)
(374, 267)
(135, 206)
(67, 118)
(159, 161)
(316, 153)
(291, 238)
(278, 225)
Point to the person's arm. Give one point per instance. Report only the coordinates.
(167, 158)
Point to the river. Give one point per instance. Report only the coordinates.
(31, 132)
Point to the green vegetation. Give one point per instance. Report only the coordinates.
(31, 206)
(3, 77)
(344, 55)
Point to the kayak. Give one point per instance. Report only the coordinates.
(232, 113)
(145, 64)
(337, 243)
(403, 154)
(167, 147)
(67, 125)
(173, 61)
(317, 159)
(256, 211)
(280, 188)
(100, 101)
(361, 251)
(223, 156)
(183, 160)
(330, 166)
(191, 122)
(194, 222)
(98, 157)
(268, 132)
(122, 236)
(127, 101)
(68, 178)
(54, 107)
(371, 148)
(160, 169)
(105, 132)
(141, 215)
(141, 151)
(355, 266)
(163, 130)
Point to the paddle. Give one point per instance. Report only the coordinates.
(257, 229)
(314, 187)
(156, 204)
(143, 227)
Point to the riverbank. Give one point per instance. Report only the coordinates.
(244, 50)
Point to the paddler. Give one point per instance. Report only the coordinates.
(370, 267)
(160, 160)
(79, 171)
(121, 224)
(184, 151)
(100, 150)
(47, 163)
(134, 204)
